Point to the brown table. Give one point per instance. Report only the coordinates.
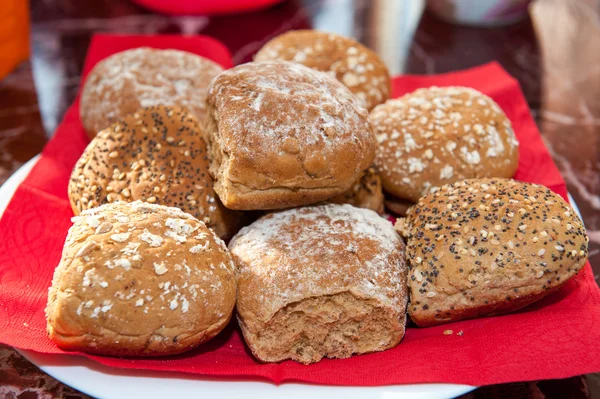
(555, 55)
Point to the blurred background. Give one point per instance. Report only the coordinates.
(552, 47)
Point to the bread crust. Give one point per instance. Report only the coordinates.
(283, 135)
(353, 64)
(137, 279)
(366, 192)
(126, 81)
(320, 281)
(159, 155)
(483, 247)
(439, 135)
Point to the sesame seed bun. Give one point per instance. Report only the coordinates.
(137, 279)
(482, 247)
(284, 135)
(144, 77)
(353, 64)
(320, 281)
(156, 155)
(440, 135)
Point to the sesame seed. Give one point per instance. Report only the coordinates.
(418, 260)
(495, 242)
(559, 248)
(535, 239)
(511, 245)
(498, 227)
(539, 274)
(544, 234)
(448, 332)
(113, 154)
(522, 227)
(541, 252)
(431, 294)
(126, 193)
(170, 139)
(151, 199)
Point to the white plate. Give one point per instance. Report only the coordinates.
(105, 382)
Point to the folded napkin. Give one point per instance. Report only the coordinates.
(557, 337)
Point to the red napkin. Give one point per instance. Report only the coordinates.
(556, 338)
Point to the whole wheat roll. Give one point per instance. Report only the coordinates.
(320, 281)
(284, 135)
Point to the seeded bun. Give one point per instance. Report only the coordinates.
(483, 247)
(440, 135)
(353, 64)
(144, 77)
(137, 279)
(365, 193)
(156, 155)
(320, 281)
(284, 135)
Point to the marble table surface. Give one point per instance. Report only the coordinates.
(554, 53)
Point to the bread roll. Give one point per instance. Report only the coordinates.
(353, 64)
(365, 193)
(157, 155)
(284, 135)
(440, 135)
(488, 246)
(143, 77)
(137, 279)
(320, 281)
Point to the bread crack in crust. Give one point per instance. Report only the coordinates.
(320, 281)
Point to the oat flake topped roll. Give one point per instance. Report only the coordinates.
(137, 279)
(439, 135)
(353, 64)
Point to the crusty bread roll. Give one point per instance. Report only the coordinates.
(488, 246)
(137, 279)
(143, 77)
(283, 135)
(440, 135)
(366, 192)
(320, 281)
(353, 64)
(156, 155)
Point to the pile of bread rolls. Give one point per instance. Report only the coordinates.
(184, 154)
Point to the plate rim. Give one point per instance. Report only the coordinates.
(72, 368)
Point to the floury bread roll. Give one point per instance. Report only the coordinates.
(353, 64)
(158, 155)
(365, 193)
(137, 279)
(144, 77)
(284, 135)
(320, 281)
(488, 246)
(440, 135)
